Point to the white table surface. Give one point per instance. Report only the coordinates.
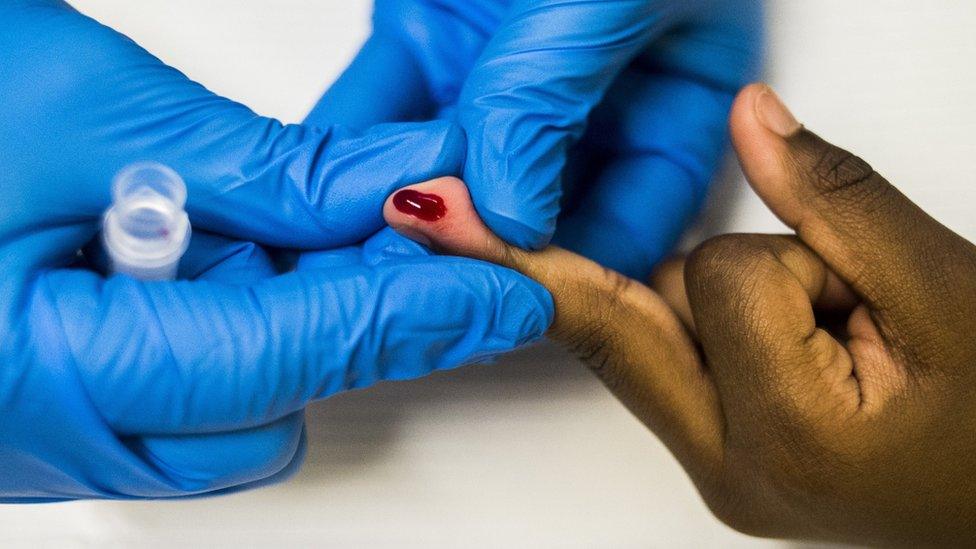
(533, 452)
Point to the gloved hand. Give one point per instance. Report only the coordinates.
(118, 388)
(654, 79)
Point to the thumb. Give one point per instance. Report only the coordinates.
(894, 256)
(205, 356)
(527, 101)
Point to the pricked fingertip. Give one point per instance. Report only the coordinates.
(439, 213)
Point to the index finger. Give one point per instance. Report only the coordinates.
(752, 299)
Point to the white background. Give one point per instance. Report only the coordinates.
(532, 452)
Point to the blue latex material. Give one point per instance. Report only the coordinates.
(116, 388)
(608, 115)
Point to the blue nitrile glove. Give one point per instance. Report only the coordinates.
(116, 388)
(654, 78)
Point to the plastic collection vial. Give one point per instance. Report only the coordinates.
(146, 231)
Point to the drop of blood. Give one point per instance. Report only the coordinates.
(428, 207)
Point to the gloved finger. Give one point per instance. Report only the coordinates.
(530, 94)
(413, 64)
(208, 256)
(248, 176)
(661, 140)
(214, 257)
(285, 473)
(205, 463)
(752, 297)
(385, 245)
(625, 332)
(223, 461)
(384, 83)
(893, 255)
(204, 357)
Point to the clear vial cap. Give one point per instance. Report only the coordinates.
(146, 231)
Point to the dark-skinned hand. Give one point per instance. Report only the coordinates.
(790, 423)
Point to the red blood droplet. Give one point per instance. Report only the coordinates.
(428, 207)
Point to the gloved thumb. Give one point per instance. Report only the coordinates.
(203, 356)
(529, 97)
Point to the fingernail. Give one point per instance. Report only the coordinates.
(774, 115)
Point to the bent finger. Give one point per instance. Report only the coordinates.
(669, 281)
(752, 300)
(205, 463)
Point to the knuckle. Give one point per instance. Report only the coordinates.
(837, 169)
(794, 256)
(728, 263)
(835, 173)
(715, 254)
(594, 340)
(591, 343)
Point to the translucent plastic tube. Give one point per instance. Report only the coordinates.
(146, 231)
